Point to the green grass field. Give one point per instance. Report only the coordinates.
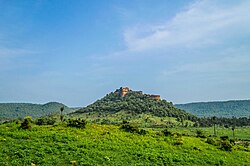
(109, 145)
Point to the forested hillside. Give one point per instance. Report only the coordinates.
(237, 108)
(20, 110)
(135, 102)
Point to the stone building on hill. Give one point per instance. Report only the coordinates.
(156, 97)
(124, 90)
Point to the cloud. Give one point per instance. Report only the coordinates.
(202, 23)
(234, 66)
(15, 58)
(14, 52)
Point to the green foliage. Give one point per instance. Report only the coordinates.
(211, 140)
(45, 121)
(178, 141)
(105, 121)
(237, 108)
(135, 103)
(226, 122)
(130, 128)
(200, 134)
(242, 132)
(246, 144)
(142, 132)
(226, 145)
(166, 132)
(26, 124)
(126, 126)
(224, 137)
(108, 145)
(78, 123)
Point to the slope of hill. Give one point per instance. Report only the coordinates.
(109, 145)
(20, 110)
(134, 102)
(236, 108)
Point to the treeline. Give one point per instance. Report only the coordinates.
(222, 121)
(237, 108)
(136, 103)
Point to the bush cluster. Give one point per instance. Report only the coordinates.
(45, 121)
(211, 140)
(200, 134)
(132, 129)
(226, 145)
(78, 123)
(166, 132)
(224, 142)
(26, 124)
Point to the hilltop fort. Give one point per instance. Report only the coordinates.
(124, 90)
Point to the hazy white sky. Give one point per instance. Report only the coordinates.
(75, 52)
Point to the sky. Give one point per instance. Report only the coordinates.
(75, 52)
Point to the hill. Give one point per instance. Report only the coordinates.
(236, 108)
(20, 110)
(134, 103)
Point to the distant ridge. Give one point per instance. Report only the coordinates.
(20, 110)
(230, 108)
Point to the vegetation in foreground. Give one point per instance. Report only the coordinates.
(95, 144)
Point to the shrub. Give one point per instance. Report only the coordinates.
(78, 123)
(125, 122)
(226, 145)
(246, 144)
(211, 141)
(166, 132)
(106, 121)
(130, 128)
(232, 141)
(45, 121)
(142, 132)
(179, 141)
(200, 134)
(178, 135)
(26, 124)
(196, 148)
(225, 137)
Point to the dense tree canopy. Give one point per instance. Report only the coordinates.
(136, 103)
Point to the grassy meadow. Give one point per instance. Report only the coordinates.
(109, 145)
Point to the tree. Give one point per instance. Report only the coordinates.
(26, 124)
(61, 117)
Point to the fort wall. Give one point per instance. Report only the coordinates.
(124, 90)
